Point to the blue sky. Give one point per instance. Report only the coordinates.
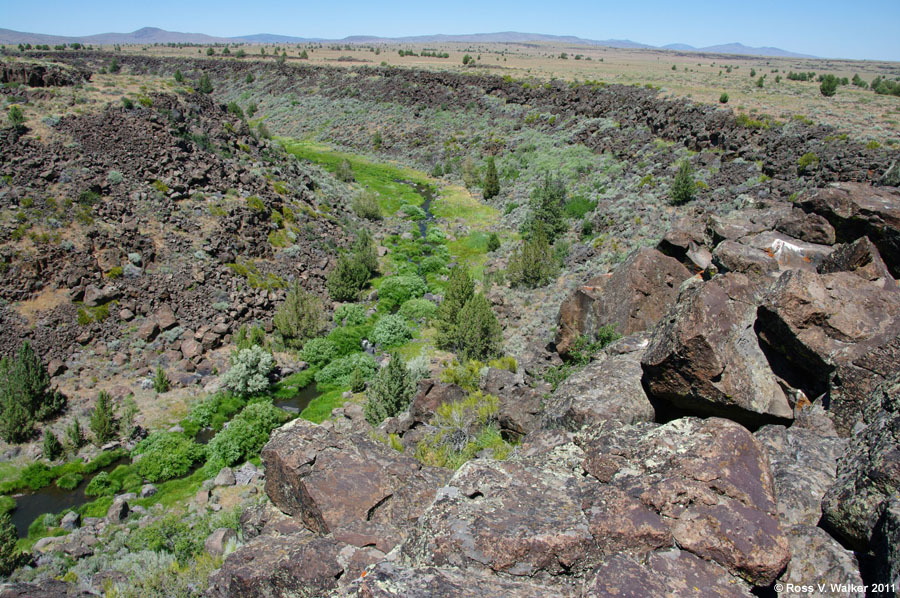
(865, 29)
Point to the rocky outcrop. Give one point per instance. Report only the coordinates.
(804, 464)
(886, 546)
(863, 259)
(609, 387)
(868, 473)
(814, 322)
(855, 211)
(46, 589)
(704, 357)
(388, 580)
(707, 481)
(330, 481)
(635, 297)
(34, 74)
(819, 559)
(666, 573)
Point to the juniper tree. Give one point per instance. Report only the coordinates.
(390, 391)
(683, 186)
(103, 419)
(491, 180)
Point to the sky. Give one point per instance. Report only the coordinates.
(863, 29)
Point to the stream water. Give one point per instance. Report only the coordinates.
(299, 401)
(52, 499)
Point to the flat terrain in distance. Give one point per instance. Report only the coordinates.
(702, 77)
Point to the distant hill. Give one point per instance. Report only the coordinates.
(737, 48)
(154, 35)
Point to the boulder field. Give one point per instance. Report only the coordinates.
(744, 435)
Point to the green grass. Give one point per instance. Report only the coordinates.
(288, 387)
(379, 177)
(320, 408)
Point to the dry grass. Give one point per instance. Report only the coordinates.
(43, 301)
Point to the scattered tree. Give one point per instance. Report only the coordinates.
(683, 187)
(52, 447)
(304, 55)
(532, 263)
(25, 395)
(10, 555)
(478, 333)
(390, 391)
(161, 381)
(300, 317)
(179, 77)
(205, 85)
(723, 99)
(16, 117)
(344, 171)
(74, 436)
(491, 180)
(829, 86)
(493, 243)
(547, 215)
(103, 419)
(460, 288)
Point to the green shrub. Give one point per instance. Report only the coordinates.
(102, 485)
(249, 336)
(683, 187)
(723, 99)
(103, 419)
(413, 212)
(807, 161)
(460, 288)
(578, 206)
(350, 314)
(161, 381)
(348, 339)
(466, 375)
(69, 481)
(16, 117)
(478, 334)
(10, 556)
(398, 289)
(127, 103)
(52, 447)
(166, 455)
(318, 351)
(829, 86)
(390, 391)
(491, 180)
(435, 236)
(493, 242)
(433, 264)
(365, 205)
(300, 317)
(236, 110)
(247, 433)
(463, 429)
(74, 436)
(344, 171)
(347, 278)
(36, 476)
(391, 330)
(249, 372)
(547, 213)
(205, 85)
(532, 264)
(25, 395)
(418, 310)
(338, 372)
(179, 78)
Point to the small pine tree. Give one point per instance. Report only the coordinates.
(723, 99)
(205, 85)
(390, 391)
(532, 264)
(74, 436)
(103, 419)
(478, 333)
(364, 251)
(16, 117)
(547, 213)
(179, 77)
(829, 85)
(346, 279)
(25, 394)
(304, 55)
(52, 447)
(249, 78)
(357, 381)
(345, 171)
(491, 180)
(683, 186)
(460, 288)
(493, 243)
(300, 317)
(161, 382)
(10, 556)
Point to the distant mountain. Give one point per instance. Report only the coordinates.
(154, 35)
(737, 48)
